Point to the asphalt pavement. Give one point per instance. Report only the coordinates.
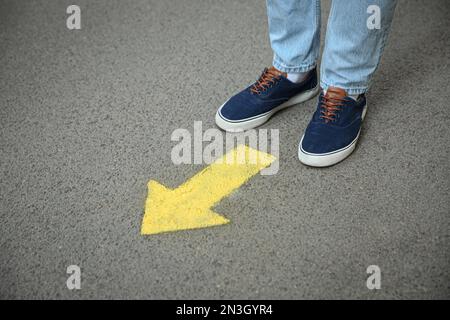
(86, 118)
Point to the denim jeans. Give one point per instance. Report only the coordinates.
(352, 50)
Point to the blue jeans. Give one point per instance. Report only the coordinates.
(353, 45)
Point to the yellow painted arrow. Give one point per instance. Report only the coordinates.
(189, 205)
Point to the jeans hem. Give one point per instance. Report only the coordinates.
(349, 90)
(292, 69)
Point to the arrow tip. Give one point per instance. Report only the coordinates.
(165, 213)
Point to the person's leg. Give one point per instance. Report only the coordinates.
(294, 27)
(353, 46)
(294, 32)
(352, 50)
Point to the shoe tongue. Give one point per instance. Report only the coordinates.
(274, 70)
(335, 93)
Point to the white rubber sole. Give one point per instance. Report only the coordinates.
(331, 158)
(253, 122)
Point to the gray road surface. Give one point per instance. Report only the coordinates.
(86, 118)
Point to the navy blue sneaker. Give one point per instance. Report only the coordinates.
(332, 134)
(272, 92)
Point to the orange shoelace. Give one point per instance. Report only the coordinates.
(267, 78)
(332, 102)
